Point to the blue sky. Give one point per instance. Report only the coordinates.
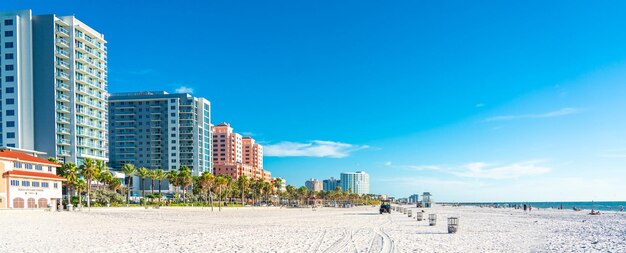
(478, 101)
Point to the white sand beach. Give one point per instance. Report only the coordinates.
(362, 229)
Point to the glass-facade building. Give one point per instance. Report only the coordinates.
(357, 182)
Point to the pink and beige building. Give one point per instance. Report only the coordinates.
(237, 156)
(28, 181)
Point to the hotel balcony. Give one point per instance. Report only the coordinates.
(63, 97)
(62, 31)
(63, 142)
(63, 153)
(63, 108)
(63, 130)
(62, 53)
(63, 42)
(63, 86)
(63, 64)
(63, 75)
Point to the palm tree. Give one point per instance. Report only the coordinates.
(102, 168)
(206, 182)
(172, 176)
(220, 183)
(243, 184)
(89, 170)
(70, 172)
(129, 170)
(152, 176)
(291, 192)
(160, 175)
(143, 173)
(80, 187)
(267, 189)
(277, 183)
(115, 185)
(302, 192)
(185, 179)
(106, 178)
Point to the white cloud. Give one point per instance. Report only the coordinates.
(552, 114)
(315, 148)
(492, 171)
(184, 89)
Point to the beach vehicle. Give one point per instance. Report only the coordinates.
(385, 207)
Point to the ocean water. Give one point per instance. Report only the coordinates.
(601, 205)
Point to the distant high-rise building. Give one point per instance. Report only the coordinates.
(357, 182)
(313, 185)
(331, 183)
(253, 155)
(54, 86)
(158, 130)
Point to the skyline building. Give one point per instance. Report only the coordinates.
(357, 182)
(62, 62)
(331, 183)
(159, 130)
(313, 185)
(237, 156)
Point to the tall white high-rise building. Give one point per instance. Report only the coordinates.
(54, 86)
(357, 182)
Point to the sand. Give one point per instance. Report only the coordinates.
(269, 229)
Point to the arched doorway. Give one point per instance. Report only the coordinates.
(31, 203)
(43, 203)
(18, 203)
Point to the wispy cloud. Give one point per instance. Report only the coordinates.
(494, 171)
(619, 153)
(552, 114)
(479, 105)
(314, 148)
(412, 167)
(184, 89)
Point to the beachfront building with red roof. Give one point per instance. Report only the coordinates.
(28, 181)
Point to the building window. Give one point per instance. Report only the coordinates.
(49, 168)
(10, 101)
(8, 33)
(8, 44)
(15, 183)
(25, 183)
(8, 22)
(10, 135)
(45, 184)
(35, 184)
(9, 78)
(10, 112)
(10, 90)
(8, 56)
(38, 167)
(28, 166)
(10, 123)
(8, 67)
(17, 165)
(56, 185)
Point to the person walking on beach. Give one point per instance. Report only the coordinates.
(525, 207)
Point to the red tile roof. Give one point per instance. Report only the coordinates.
(4, 153)
(32, 174)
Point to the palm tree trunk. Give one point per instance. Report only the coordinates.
(69, 195)
(159, 187)
(143, 188)
(89, 193)
(152, 187)
(220, 204)
(211, 199)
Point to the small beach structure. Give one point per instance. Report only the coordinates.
(404, 210)
(453, 225)
(432, 219)
(426, 201)
(419, 216)
(410, 213)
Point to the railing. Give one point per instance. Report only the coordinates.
(63, 63)
(63, 74)
(63, 30)
(63, 85)
(63, 41)
(63, 107)
(63, 52)
(61, 96)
